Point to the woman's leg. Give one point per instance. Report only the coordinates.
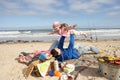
(92, 48)
(80, 49)
(84, 49)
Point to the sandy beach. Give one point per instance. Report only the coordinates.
(12, 70)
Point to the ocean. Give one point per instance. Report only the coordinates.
(43, 35)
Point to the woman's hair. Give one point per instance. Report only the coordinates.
(54, 53)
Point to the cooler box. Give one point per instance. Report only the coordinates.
(110, 71)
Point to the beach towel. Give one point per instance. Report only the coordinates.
(40, 51)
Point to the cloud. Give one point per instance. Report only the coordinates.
(30, 7)
(45, 5)
(89, 6)
(115, 10)
(114, 13)
(50, 7)
(9, 5)
(116, 7)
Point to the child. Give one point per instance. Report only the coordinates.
(64, 29)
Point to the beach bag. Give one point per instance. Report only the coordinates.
(30, 69)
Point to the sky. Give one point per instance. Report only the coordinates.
(40, 14)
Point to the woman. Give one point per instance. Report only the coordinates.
(71, 52)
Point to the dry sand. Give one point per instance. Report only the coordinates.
(10, 69)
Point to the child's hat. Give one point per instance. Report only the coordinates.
(56, 24)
